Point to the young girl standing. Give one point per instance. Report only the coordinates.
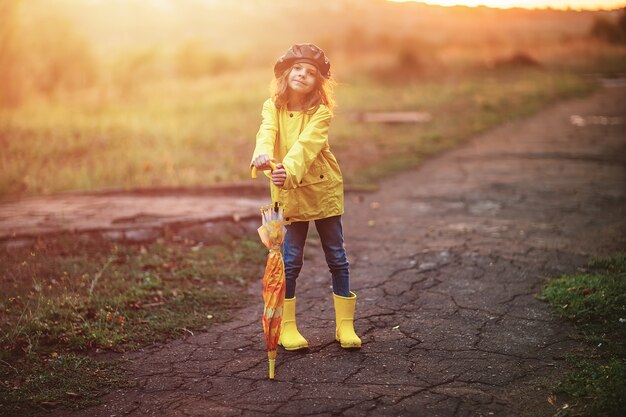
(307, 181)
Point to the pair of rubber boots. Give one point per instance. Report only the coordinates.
(291, 339)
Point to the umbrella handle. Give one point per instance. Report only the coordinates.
(253, 173)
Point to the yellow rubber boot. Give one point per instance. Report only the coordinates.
(344, 319)
(290, 337)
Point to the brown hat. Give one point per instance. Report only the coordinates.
(303, 52)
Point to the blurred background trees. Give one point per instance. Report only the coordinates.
(9, 50)
(609, 30)
(116, 48)
(41, 55)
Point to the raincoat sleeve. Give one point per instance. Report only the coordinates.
(266, 136)
(310, 143)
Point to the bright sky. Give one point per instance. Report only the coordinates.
(532, 4)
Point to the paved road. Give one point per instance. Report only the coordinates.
(446, 261)
(131, 216)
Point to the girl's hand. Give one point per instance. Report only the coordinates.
(262, 162)
(279, 175)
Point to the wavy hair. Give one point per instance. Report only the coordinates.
(322, 93)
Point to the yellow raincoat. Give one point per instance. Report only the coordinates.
(314, 186)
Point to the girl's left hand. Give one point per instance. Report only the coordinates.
(279, 175)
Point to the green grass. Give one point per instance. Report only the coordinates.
(67, 380)
(203, 133)
(597, 384)
(71, 296)
(595, 300)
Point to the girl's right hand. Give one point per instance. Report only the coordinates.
(262, 162)
(279, 175)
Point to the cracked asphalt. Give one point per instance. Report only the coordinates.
(447, 261)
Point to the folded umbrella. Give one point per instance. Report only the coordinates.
(272, 233)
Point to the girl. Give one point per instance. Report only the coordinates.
(307, 181)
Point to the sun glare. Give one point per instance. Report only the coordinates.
(530, 4)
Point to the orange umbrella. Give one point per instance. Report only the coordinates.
(272, 233)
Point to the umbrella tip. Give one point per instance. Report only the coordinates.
(272, 363)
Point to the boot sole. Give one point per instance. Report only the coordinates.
(348, 346)
(295, 347)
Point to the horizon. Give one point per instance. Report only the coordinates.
(579, 5)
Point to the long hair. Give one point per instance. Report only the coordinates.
(322, 93)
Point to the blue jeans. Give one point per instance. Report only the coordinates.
(331, 235)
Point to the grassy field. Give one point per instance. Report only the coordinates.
(142, 123)
(176, 101)
(595, 300)
(71, 297)
(203, 133)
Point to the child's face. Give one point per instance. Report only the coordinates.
(302, 78)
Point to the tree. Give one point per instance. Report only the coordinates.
(621, 21)
(609, 31)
